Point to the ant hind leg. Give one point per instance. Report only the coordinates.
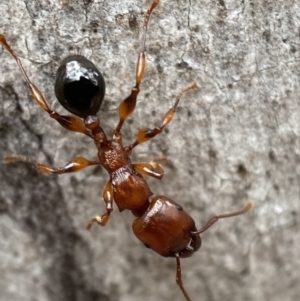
(127, 106)
(71, 123)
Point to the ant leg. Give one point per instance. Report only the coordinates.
(75, 165)
(147, 134)
(151, 169)
(179, 278)
(215, 218)
(108, 199)
(127, 106)
(70, 123)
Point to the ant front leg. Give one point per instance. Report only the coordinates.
(127, 106)
(147, 134)
(74, 165)
(70, 123)
(108, 199)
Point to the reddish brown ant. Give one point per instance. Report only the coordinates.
(161, 224)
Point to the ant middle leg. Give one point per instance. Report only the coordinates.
(108, 199)
(70, 123)
(74, 165)
(151, 169)
(127, 106)
(147, 134)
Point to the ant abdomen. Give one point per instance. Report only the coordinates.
(79, 86)
(166, 229)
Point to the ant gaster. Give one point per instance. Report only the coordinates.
(161, 224)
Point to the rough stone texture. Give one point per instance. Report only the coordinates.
(235, 138)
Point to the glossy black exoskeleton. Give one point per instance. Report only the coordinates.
(79, 86)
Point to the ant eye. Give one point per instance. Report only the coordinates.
(179, 207)
(79, 86)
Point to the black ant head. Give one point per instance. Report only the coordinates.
(167, 229)
(79, 86)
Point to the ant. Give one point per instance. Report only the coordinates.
(161, 224)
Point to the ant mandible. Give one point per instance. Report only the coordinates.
(161, 224)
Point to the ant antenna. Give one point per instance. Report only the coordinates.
(179, 278)
(215, 218)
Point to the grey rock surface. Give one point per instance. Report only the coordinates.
(234, 139)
